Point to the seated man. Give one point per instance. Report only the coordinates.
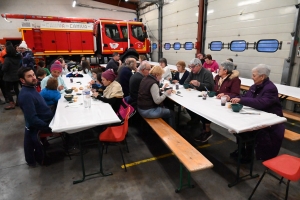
(37, 117)
(125, 75)
(200, 79)
(134, 82)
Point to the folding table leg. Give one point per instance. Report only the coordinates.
(82, 162)
(240, 140)
(181, 185)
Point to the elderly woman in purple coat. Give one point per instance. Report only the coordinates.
(263, 95)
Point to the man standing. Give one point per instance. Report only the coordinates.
(125, 75)
(200, 79)
(114, 62)
(135, 81)
(210, 64)
(37, 117)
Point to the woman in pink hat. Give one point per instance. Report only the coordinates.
(55, 70)
(113, 93)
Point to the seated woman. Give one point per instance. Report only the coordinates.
(86, 68)
(166, 70)
(181, 73)
(56, 70)
(149, 97)
(113, 93)
(50, 93)
(263, 95)
(227, 83)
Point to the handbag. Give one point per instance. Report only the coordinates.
(122, 110)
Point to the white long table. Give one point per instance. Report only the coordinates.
(212, 110)
(73, 117)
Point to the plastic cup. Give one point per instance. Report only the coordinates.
(204, 95)
(223, 100)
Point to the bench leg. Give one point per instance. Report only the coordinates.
(181, 185)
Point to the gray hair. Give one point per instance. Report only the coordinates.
(262, 69)
(142, 66)
(196, 61)
(228, 65)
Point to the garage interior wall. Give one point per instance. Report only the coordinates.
(61, 8)
(179, 25)
(251, 21)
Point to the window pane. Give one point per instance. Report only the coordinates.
(154, 46)
(216, 46)
(188, 46)
(238, 45)
(124, 31)
(167, 46)
(176, 45)
(267, 45)
(112, 32)
(137, 32)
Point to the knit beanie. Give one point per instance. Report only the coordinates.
(56, 66)
(23, 44)
(109, 75)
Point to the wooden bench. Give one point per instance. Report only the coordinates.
(288, 134)
(188, 156)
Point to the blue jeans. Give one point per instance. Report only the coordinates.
(33, 148)
(159, 112)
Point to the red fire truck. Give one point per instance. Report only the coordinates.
(75, 37)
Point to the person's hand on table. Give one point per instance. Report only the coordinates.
(166, 85)
(235, 100)
(220, 95)
(61, 87)
(195, 83)
(175, 81)
(92, 82)
(168, 92)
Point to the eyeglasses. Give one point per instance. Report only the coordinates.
(193, 66)
(147, 69)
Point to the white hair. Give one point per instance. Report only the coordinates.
(262, 69)
(143, 65)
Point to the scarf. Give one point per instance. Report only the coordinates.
(113, 90)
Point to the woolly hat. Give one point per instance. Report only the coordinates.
(23, 44)
(109, 75)
(56, 66)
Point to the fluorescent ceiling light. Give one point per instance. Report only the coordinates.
(244, 3)
(74, 3)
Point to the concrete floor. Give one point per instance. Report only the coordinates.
(146, 179)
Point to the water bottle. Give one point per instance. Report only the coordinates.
(86, 98)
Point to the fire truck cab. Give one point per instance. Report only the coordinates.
(75, 37)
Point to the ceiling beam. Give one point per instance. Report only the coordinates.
(119, 3)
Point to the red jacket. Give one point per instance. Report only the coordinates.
(230, 86)
(2, 54)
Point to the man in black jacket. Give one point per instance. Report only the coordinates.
(125, 75)
(134, 82)
(114, 62)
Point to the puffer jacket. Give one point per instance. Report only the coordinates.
(11, 66)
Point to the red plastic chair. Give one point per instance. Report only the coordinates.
(284, 165)
(44, 140)
(117, 134)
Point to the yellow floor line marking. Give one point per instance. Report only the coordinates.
(168, 155)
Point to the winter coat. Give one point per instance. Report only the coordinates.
(181, 81)
(265, 97)
(230, 86)
(11, 66)
(51, 96)
(28, 59)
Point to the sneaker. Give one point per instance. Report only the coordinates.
(198, 138)
(206, 136)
